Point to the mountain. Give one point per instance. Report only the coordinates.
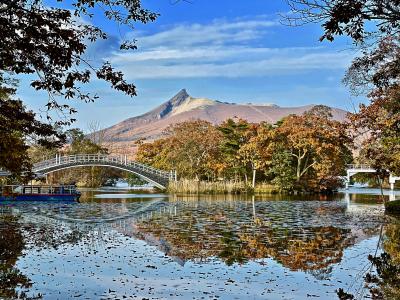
(183, 107)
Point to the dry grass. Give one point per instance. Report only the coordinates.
(266, 188)
(186, 186)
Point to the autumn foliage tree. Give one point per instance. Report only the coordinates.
(155, 153)
(192, 148)
(316, 147)
(255, 153)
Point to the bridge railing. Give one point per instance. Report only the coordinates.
(359, 167)
(99, 158)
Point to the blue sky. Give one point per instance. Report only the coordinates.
(236, 51)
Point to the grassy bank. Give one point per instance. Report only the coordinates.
(186, 186)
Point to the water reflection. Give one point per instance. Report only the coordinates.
(11, 247)
(306, 236)
(391, 243)
(389, 275)
(300, 236)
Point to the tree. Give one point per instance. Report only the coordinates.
(318, 145)
(358, 19)
(50, 41)
(155, 154)
(19, 129)
(255, 152)
(379, 122)
(281, 170)
(191, 147)
(377, 69)
(235, 135)
(249, 154)
(374, 26)
(79, 143)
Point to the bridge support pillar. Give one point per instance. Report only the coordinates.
(349, 174)
(392, 181)
(392, 196)
(347, 199)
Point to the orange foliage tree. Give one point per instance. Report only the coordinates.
(318, 147)
(192, 148)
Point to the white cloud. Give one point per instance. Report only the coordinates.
(216, 33)
(222, 49)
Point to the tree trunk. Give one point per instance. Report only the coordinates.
(298, 172)
(381, 187)
(254, 178)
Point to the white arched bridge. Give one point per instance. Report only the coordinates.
(355, 169)
(158, 178)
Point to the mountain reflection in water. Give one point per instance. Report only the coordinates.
(306, 236)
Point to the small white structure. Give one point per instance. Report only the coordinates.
(392, 181)
(354, 169)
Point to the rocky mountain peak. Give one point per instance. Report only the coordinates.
(179, 98)
(173, 103)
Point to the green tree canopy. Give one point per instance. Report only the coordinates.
(19, 129)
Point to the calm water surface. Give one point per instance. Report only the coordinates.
(116, 245)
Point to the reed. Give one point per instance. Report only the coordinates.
(266, 188)
(187, 186)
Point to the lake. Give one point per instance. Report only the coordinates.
(122, 245)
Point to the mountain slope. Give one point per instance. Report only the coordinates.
(183, 107)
